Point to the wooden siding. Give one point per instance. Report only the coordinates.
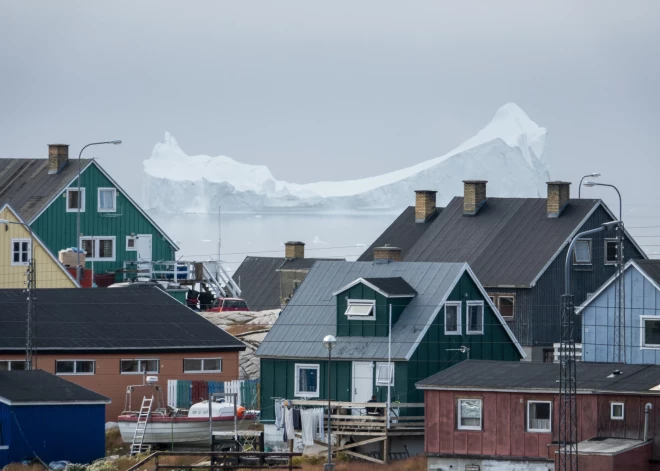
(57, 227)
(504, 432)
(379, 327)
(109, 382)
(641, 299)
(50, 274)
(537, 309)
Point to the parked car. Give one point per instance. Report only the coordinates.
(228, 304)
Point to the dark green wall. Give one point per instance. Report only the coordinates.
(57, 228)
(368, 328)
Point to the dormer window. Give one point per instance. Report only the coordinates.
(362, 309)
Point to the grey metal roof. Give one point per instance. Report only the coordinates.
(651, 268)
(533, 376)
(507, 243)
(395, 286)
(26, 185)
(301, 263)
(104, 319)
(311, 313)
(40, 386)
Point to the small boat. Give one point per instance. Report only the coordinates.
(173, 425)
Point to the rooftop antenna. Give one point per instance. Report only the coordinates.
(217, 266)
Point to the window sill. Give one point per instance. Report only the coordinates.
(138, 372)
(25, 264)
(538, 431)
(106, 210)
(464, 429)
(75, 374)
(474, 333)
(201, 372)
(453, 333)
(310, 395)
(74, 211)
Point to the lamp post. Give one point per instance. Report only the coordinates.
(31, 286)
(79, 202)
(590, 184)
(329, 342)
(591, 175)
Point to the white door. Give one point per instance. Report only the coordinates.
(363, 383)
(144, 256)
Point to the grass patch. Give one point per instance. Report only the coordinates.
(114, 445)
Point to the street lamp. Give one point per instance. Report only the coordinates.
(79, 202)
(591, 175)
(590, 184)
(31, 286)
(329, 342)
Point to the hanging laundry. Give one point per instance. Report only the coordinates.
(289, 431)
(319, 422)
(308, 421)
(297, 425)
(279, 414)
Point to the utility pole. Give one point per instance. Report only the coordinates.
(619, 303)
(32, 309)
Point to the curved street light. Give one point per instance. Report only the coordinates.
(591, 175)
(329, 341)
(79, 202)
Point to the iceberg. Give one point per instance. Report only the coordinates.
(509, 152)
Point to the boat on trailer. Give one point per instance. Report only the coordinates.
(169, 425)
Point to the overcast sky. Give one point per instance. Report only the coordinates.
(336, 89)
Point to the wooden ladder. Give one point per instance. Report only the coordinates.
(141, 426)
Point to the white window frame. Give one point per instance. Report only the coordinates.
(9, 362)
(642, 331)
(459, 318)
(75, 367)
(362, 317)
(307, 366)
(202, 364)
(538, 430)
(481, 414)
(134, 248)
(616, 241)
(29, 252)
(591, 252)
(139, 372)
(98, 200)
(97, 245)
(467, 318)
(623, 410)
(380, 381)
(82, 200)
(513, 305)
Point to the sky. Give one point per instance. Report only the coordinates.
(335, 90)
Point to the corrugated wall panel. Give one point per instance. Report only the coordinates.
(74, 433)
(5, 434)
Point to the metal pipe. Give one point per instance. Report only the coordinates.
(567, 265)
(647, 408)
(329, 413)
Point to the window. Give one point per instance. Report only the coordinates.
(12, 365)
(20, 251)
(359, 308)
(72, 200)
(453, 318)
(475, 317)
(384, 374)
(307, 381)
(539, 416)
(611, 251)
(139, 366)
(75, 367)
(107, 200)
(99, 249)
(650, 331)
(582, 252)
(131, 244)
(505, 306)
(202, 365)
(469, 414)
(617, 410)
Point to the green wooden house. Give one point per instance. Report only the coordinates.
(114, 229)
(440, 314)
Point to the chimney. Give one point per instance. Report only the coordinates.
(558, 195)
(294, 249)
(474, 196)
(58, 157)
(424, 205)
(387, 254)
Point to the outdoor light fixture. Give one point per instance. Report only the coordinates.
(591, 175)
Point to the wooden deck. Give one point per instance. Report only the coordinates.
(349, 419)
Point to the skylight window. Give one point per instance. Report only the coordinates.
(360, 308)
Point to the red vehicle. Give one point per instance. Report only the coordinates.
(228, 304)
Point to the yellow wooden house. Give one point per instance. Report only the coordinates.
(15, 250)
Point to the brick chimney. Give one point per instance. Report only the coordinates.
(424, 205)
(58, 157)
(558, 195)
(387, 254)
(474, 196)
(294, 249)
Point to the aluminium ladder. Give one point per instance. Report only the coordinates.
(141, 426)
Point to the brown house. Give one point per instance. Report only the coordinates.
(108, 339)
(505, 415)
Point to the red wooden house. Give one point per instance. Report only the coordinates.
(505, 415)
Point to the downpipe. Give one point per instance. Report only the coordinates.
(647, 409)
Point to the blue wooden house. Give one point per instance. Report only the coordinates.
(43, 416)
(641, 314)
